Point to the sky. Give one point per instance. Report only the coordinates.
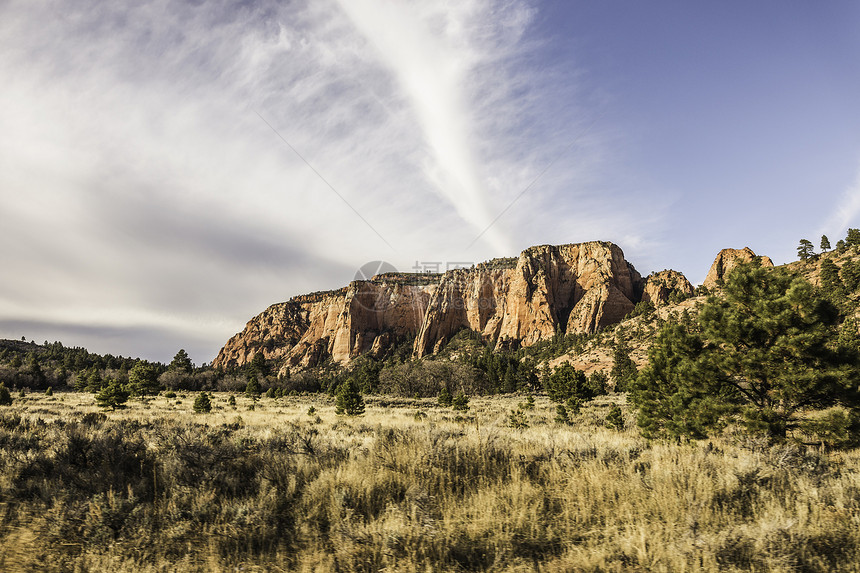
(168, 168)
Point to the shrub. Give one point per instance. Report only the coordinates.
(231, 401)
(49, 392)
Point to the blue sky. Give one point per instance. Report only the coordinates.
(152, 199)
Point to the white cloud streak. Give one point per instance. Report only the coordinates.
(846, 212)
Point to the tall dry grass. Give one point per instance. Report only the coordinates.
(157, 488)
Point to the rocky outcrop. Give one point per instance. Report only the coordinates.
(569, 288)
(726, 260)
(365, 317)
(660, 287)
(577, 288)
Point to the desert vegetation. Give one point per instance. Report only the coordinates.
(290, 485)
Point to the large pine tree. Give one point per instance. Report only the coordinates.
(767, 351)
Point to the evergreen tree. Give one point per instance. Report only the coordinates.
(349, 401)
(112, 396)
(825, 244)
(850, 274)
(259, 365)
(181, 362)
(202, 404)
(143, 379)
(445, 398)
(623, 368)
(566, 382)
(767, 352)
(561, 416)
(5, 396)
(852, 239)
(805, 250)
(253, 389)
(597, 382)
(614, 418)
(460, 402)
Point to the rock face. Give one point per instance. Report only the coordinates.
(577, 288)
(726, 260)
(660, 286)
(366, 316)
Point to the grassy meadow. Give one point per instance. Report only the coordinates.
(408, 486)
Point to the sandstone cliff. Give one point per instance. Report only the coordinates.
(578, 288)
(364, 317)
(726, 260)
(660, 286)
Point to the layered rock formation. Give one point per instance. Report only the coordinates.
(577, 288)
(659, 287)
(726, 260)
(364, 317)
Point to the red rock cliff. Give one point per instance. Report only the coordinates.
(577, 288)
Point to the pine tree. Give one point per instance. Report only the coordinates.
(253, 389)
(566, 382)
(182, 362)
(202, 404)
(825, 244)
(623, 368)
(143, 379)
(767, 352)
(460, 402)
(445, 398)
(349, 401)
(805, 250)
(5, 396)
(112, 396)
(852, 238)
(614, 418)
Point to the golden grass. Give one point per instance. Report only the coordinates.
(158, 488)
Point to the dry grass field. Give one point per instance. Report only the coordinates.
(409, 486)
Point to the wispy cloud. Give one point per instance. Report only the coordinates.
(846, 212)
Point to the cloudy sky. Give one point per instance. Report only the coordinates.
(168, 169)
